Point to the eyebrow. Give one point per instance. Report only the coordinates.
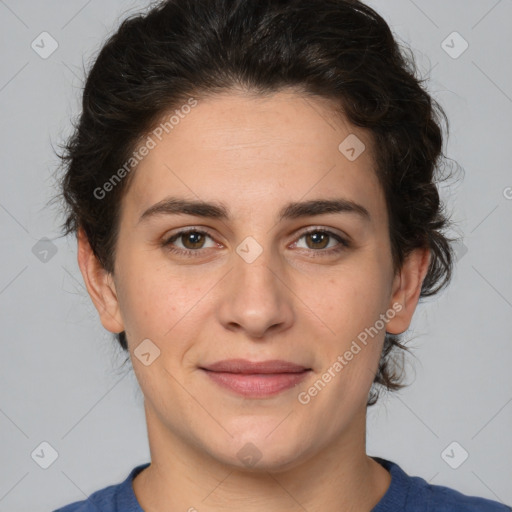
(295, 210)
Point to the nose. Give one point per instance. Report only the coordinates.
(256, 299)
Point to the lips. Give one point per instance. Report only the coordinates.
(256, 379)
(252, 367)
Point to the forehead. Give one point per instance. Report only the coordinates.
(247, 150)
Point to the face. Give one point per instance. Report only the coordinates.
(290, 260)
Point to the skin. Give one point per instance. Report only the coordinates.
(294, 302)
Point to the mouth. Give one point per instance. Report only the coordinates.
(256, 379)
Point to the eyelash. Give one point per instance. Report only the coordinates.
(167, 244)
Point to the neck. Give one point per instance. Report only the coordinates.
(182, 477)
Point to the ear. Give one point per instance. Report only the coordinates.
(100, 285)
(407, 288)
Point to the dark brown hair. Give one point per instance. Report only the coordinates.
(341, 50)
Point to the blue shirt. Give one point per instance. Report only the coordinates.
(405, 494)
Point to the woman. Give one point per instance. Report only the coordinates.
(252, 186)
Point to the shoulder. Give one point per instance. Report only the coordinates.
(114, 498)
(445, 499)
(103, 500)
(78, 506)
(414, 494)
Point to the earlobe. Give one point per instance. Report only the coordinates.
(100, 285)
(407, 288)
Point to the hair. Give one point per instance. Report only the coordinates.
(341, 50)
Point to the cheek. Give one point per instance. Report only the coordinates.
(146, 298)
(157, 303)
(351, 300)
(350, 304)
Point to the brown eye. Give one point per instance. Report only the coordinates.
(322, 242)
(319, 240)
(192, 240)
(189, 241)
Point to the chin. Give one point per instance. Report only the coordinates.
(257, 451)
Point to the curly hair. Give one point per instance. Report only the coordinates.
(341, 50)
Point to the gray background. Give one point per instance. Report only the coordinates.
(61, 379)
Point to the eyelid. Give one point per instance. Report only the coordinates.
(189, 229)
(343, 239)
(325, 229)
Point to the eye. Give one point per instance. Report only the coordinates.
(189, 241)
(322, 240)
